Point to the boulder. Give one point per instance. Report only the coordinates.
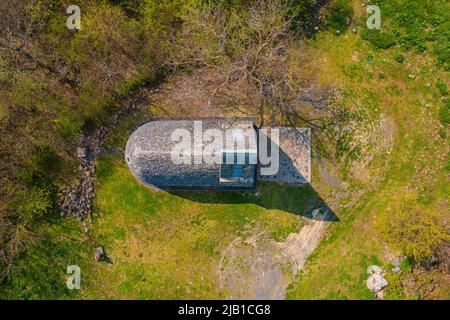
(374, 270)
(376, 283)
(316, 213)
(81, 152)
(396, 270)
(397, 261)
(98, 254)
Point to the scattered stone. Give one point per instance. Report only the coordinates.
(98, 254)
(411, 76)
(316, 213)
(397, 261)
(77, 200)
(354, 30)
(376, 282)
(81, 152)
(396, 270)
(373, 269)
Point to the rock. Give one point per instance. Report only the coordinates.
(396, 270)
(316, 213)
(397, 261)
(434, 261)
(373, 269)
(81, 152)
(376, 283)
(98, 254)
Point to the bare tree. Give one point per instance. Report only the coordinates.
(250, 49)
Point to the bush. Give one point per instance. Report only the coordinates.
(442, 53)
(381, 40)
(400, 58)
(340, 15)
(369, 58)
(442, 87)
(302, 11)
(416, 232)
(33, 203)
(444, 113)
(45, 159)
(419, 25)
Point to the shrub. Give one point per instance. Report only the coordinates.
(442, 52)
(379, 39)
(400, 58)
(340, 15)
(444, 113)
(45, 159)
(33, 203)
(416, 232)
(419, 25)
(442, 87)
(369, 58)
(302, 11)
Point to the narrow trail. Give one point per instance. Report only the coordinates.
(260, 268)
(299, 246)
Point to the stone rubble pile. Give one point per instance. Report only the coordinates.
(376, 282)
(77, 200)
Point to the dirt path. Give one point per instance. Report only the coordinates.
(298, 246)
(256, 267)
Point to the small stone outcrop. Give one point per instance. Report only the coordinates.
(376, 282)
(77, 199)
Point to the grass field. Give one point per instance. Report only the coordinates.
(414, 169)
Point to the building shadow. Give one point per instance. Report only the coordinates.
(272, 193)
(288, 190)
(298, 200)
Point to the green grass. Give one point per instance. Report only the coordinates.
(337, 269)
(41, 272)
